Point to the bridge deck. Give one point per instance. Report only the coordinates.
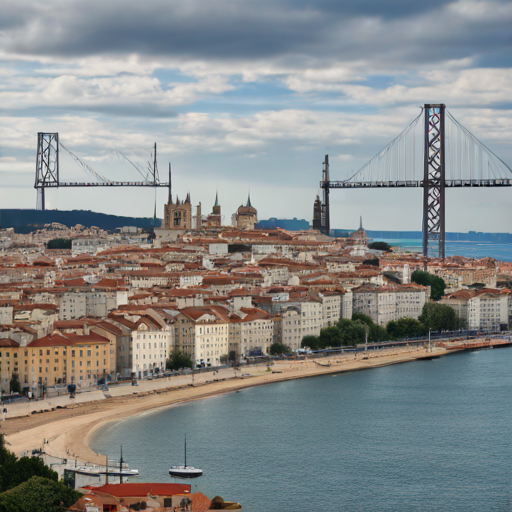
(416, 184)
(103, 184)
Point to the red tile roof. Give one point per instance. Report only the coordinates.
(141, 489)
(7, 342)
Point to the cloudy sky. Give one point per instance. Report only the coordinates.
(250, 94)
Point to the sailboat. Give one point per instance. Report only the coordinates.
(185, 471)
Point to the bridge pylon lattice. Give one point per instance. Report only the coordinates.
(325, 218)
(434, 182)
(47, 165)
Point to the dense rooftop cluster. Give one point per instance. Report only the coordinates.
(117, 305)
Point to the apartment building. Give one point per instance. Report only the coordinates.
(250, 333)
(90, 302)
(331, 307)
(202, 332)
(55, 359)
(384, 304)
(150, 348)
(486, 309)
(291, 332)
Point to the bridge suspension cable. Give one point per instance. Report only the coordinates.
(394, 162)
(469, 158)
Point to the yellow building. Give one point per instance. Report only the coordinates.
(65, 358)
(9, 362)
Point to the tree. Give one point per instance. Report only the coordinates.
(278, 349)
(378, 333)
(352, 331)
(405, 328)
(59, 243)
(380, 246)
(38, 494)
(178, 360)
(439, 317)
(363, 318)
(437, 284)
(373, 261)
(15, 384)
(310, 341)
(375, 332)
(329, 337)
(14, 471)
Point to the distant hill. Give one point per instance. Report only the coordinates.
(25, 221)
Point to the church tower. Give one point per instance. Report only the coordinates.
(317, 214)
(214, 220)
(178, 215)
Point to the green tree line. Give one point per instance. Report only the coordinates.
(434, 316)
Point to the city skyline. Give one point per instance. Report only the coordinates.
(251, 96)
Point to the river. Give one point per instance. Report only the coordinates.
(475, 250)
(425, 435)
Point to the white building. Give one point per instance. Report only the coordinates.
(150, 348)
(331, 308)
(384, 304)
(250, 332)
(86, 246)
(486, 309)
(90, 302)
(202, 332)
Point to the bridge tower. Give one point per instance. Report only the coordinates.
(47, 165)
(325, 223)
(434, 182)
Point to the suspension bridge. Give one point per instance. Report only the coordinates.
(444, 155)
(47, 170)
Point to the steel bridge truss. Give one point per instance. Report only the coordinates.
(47, 170)
(434, 180)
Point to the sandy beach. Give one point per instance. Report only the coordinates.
(68, 430)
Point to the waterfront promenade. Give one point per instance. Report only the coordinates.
(68, 430)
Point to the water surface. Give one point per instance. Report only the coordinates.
(420, 436)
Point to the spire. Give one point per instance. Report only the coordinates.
(361, 222)
(170, 185)
(187, 200)
(216, 199)
(249, 199)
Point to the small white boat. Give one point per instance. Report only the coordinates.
(120, 472)
(185, 471)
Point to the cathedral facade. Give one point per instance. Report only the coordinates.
(178, 215)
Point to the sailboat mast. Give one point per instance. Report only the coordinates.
(185, 450)
(121, 466)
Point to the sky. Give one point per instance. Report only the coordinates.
(249, 96)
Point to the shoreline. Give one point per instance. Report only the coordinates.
(70, 430)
